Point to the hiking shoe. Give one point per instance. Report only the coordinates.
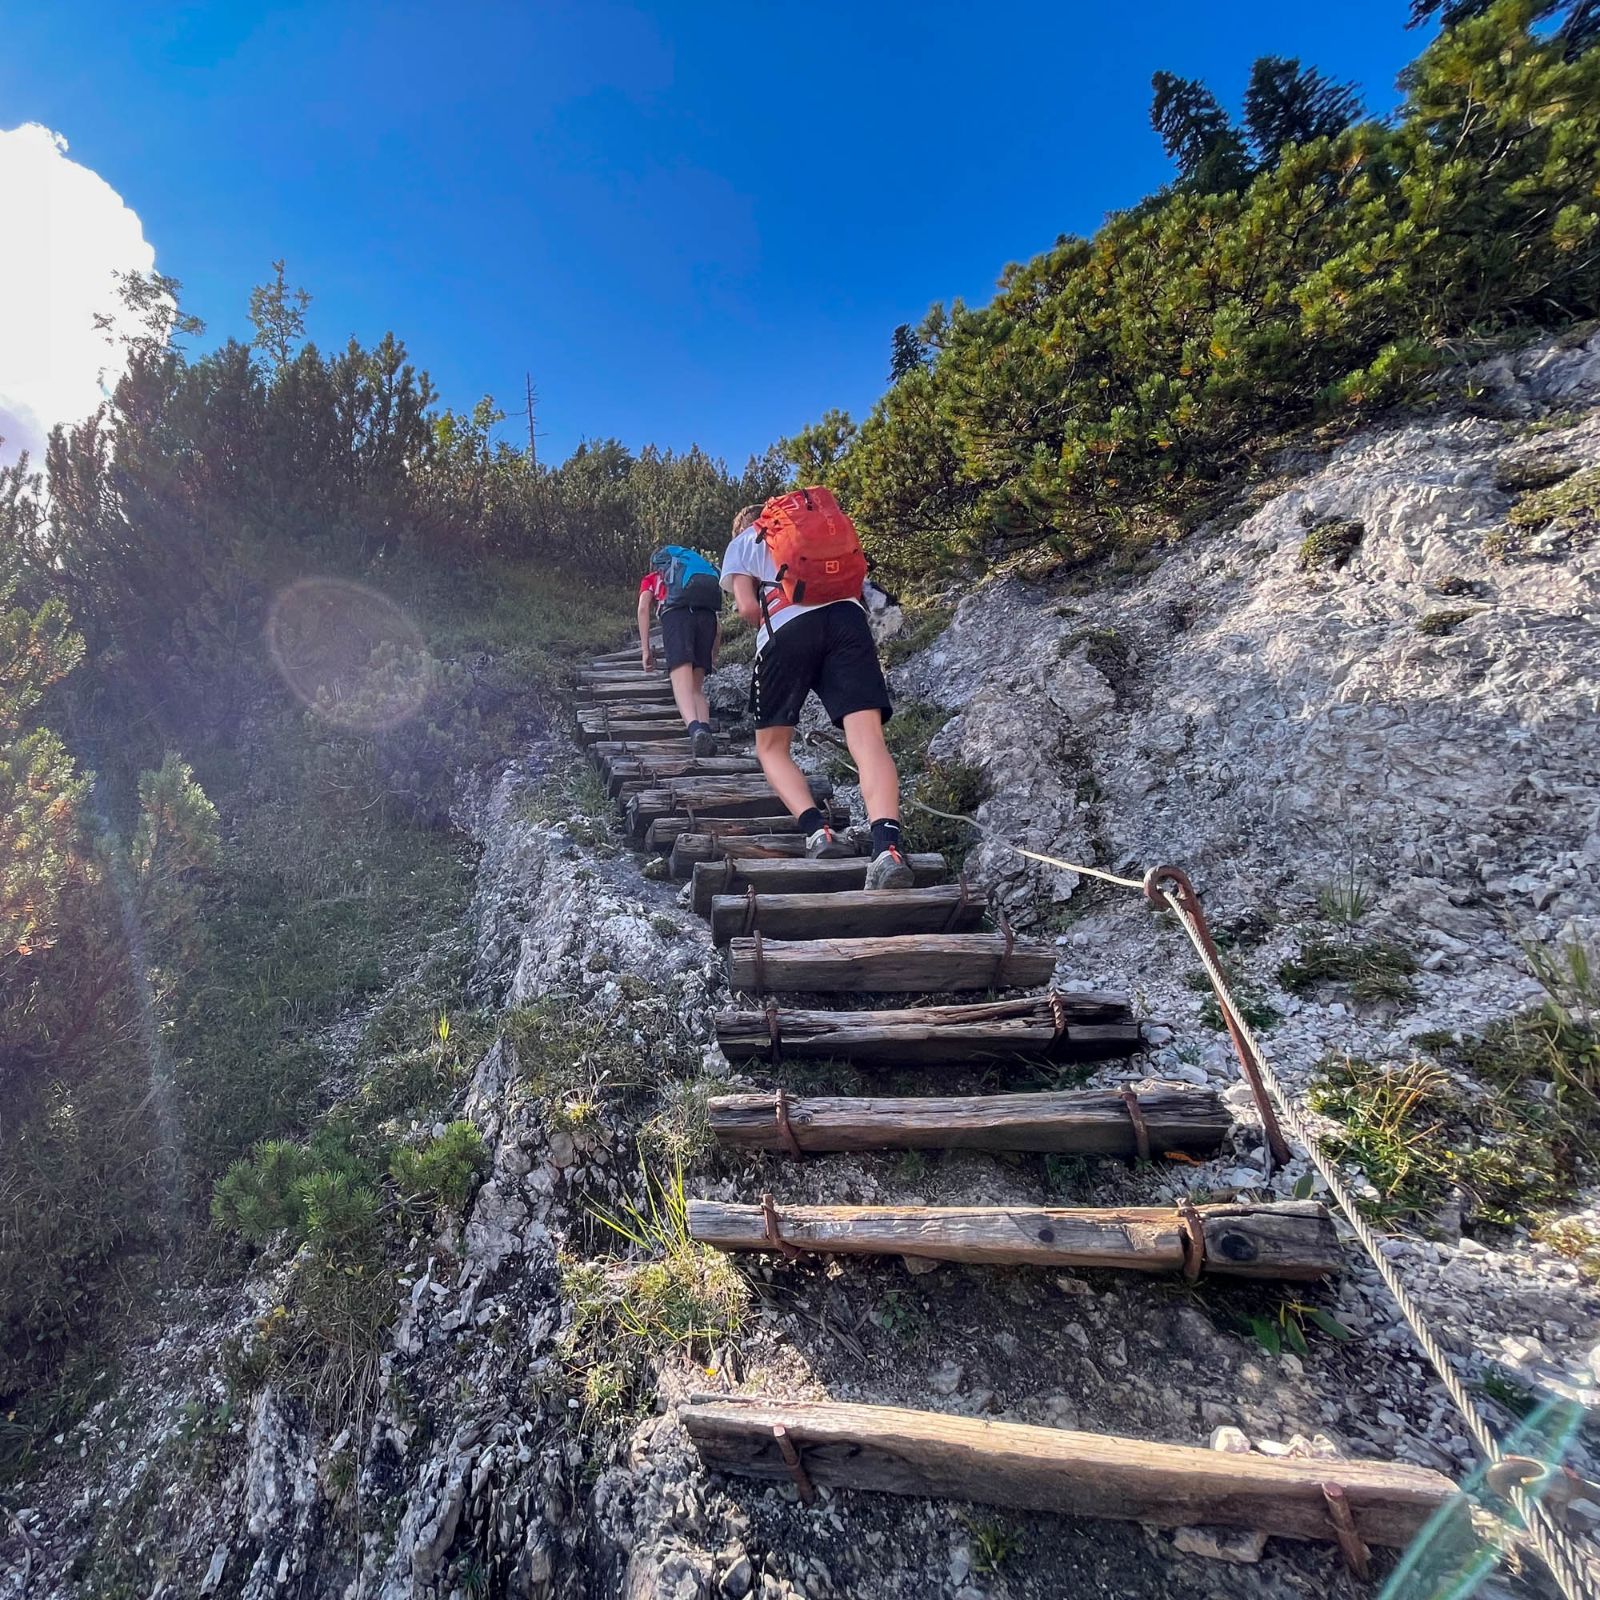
(889, 871)
(822, 846)
(702, 742)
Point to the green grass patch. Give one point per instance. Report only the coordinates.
(1253, 1004)
(1374, 970)
(667, 1293)
(919, 627)
(1419, 1139)
(1328, 546)
(1438, 624)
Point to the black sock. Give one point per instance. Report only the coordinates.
(885, 835)
(810, 820)
(695, 727)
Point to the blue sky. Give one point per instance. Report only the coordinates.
(691, 221)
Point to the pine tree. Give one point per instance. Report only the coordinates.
(1578, 29)
(1197, 135)
(1286, 103)
(278, 314)
(907, 354)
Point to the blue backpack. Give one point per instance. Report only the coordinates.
(691, 581)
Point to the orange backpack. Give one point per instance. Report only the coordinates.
(814, 547)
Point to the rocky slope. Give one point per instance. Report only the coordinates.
(1273, 729)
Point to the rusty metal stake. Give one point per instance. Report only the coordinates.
(1004, 957)
(749, 909)
(791, 1459)
(960, 905)
(785, 1127)
(769, 1219)
(774, 1037)
(1351, 1545)
(760, 965)
(1277, 1145)
(1194, 1239)
(1141, 1129)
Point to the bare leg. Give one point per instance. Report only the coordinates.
(880, 783)
(787, 780)
(702, 706)
(683, 693)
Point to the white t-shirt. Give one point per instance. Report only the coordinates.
(748, 555)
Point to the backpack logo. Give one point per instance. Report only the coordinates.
(831, 568)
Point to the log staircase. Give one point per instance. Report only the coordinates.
(811, 955)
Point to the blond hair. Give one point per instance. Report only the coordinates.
(745, 517)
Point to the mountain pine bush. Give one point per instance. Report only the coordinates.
(1144, 363)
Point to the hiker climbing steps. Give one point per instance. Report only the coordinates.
(792, 924)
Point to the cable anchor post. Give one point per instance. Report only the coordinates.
(1155, 882)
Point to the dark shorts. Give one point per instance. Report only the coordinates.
(830, 651)
(687, 637)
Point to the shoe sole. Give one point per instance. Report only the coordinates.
(898, 877)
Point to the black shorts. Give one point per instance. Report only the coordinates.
(687, 637)
(831, 651)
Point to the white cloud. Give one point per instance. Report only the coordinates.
(66, 232)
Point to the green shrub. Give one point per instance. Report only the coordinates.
(445, 1170)
(1146, 363)
(954, 788)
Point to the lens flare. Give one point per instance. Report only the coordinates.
(349, 654)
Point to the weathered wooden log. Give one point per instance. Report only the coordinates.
(710, 797)
(645, 772)
(849, 913)
(1065, 1027)
(791, 873)
(619, 673)
(1084, 1121)
(588, 694)
(629, 711)
(1072, 1474)
(628, 655)
(664, 831)
(1293, 1239)
(635, 732)
(688, 849)
(912, 963)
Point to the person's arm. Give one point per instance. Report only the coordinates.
(745, 599)
(646, 658)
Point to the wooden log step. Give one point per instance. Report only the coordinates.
(593, 694)
(790, 872)
(1291, 1239)
(632, 731)
(1062, 1027)
(630, 711)
(630, 673)
(909, 963)
(1027, 1468)
(645, 772)
(663, 833)
(689, 849)
(1098, 1122)
(628, 655)
(849, 913)
(710, 797)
